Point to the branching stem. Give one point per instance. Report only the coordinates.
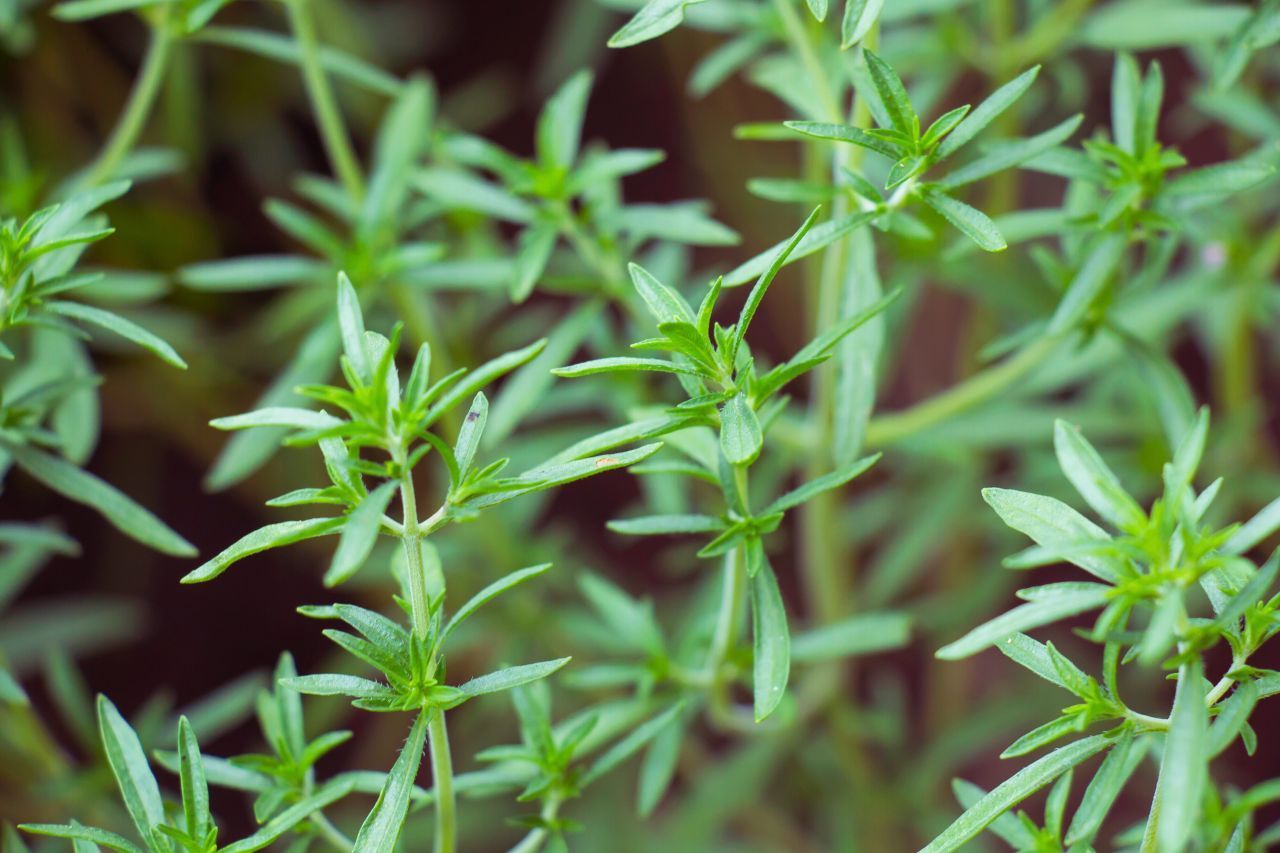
(141, 101)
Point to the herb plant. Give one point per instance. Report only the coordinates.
(1022, 222)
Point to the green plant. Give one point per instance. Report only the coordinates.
(1152, 567)
(824, 446)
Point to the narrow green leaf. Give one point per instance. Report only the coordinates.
(1126, 83)
(1107, 783)
(381, 829)
(660, 525)
(620, 364)
(195, 788)
(628, 746)
(281, 48)
(1062, 605)
(1014, 152)
(464, 449)
(1095, 482)
(359, 534)
(658, 767)
(1184, 764)
(1233, 716)
(559, 473)
(272, 536)
(741, 438)
(351, 324)
(251, 272)
(138, 788)
(401, 141)
(1014, 790)
(756, 296)
(1148, 115)
(1044, 660)
(600, 167)
(83, 10)
(291, 817)
(10, 690)
(655, 18)
(533, 251)
(460, 190)
(85, 488)
(819, 237)
(126, 329)
(859, 17)
(973, 223)
(1210, 183)
(93, 835)
(490, 592)
(1255, 530)
(825, 483)
(1052, 525)
(665, 303)
(942, 126)
(279, 416)
(631, 621)
(1130, 24)
(335, 684)
(472, 382)
(986, 112)
(847, 133)
(863, 634)
(771, 643)
(687, 222)
(505, 679)
(560, 125)
(1007, 826)
(892, 94)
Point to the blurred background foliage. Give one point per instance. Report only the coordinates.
(236, 131)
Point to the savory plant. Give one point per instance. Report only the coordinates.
(950, 153)
(1148, 571)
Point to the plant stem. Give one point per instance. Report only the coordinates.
(141, 100)
(330, 832)
(442, 774)
(896, 426)
(535, 839)
(420, 609)
(802, 46)
(419, 601)
(333, 130)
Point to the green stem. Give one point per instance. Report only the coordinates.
(330, 832)
(442, 775)
(333, 130)
(896, 426)
(141, 100)
(537, 837)
(419, 601)
(826, 587)
(803, 47)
